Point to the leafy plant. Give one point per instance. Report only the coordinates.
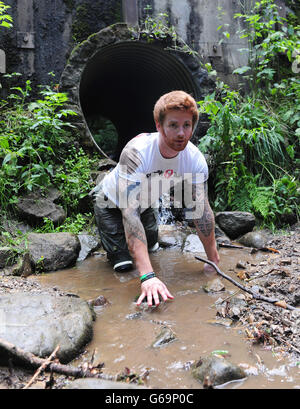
(73, 224)
(5, 19)
(31, 137)
(73, 178)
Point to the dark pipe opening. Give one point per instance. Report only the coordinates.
(122, 82)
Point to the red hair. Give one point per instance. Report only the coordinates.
(175, 100)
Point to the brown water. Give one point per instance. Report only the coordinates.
(121, 342)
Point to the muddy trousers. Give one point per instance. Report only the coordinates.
(111, 230)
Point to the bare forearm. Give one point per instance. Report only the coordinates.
(205, 227)
(137, 241)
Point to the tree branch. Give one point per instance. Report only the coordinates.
(248, 290)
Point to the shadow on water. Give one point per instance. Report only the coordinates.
(122, 342)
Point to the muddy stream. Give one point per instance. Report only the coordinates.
(122, 342)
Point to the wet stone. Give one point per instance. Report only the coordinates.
(164, 337)
(224, 322)
(193, 244)
(214, 286)
(37, 323)
(215, 370)
(253, 239)
(92, 383)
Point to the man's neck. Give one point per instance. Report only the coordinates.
(164, 150)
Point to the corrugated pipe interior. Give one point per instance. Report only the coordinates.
(113, 80)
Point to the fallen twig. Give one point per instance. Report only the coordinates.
(252, 249)
(34, 361)
(248, 290)
(42, 368)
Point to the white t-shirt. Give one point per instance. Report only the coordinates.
(144, 168)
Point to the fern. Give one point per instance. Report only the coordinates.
(261, 200)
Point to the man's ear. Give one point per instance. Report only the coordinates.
(158, 126)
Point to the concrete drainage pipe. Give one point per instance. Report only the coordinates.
(113, 81)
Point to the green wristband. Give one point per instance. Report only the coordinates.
(148, 277)
(145, 275)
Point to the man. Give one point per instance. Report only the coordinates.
(149, 165)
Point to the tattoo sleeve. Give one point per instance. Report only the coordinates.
(133, 226)
(205, 223)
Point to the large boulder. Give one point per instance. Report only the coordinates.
(53, 251)
(235, 224)
(37, 323)
(34, 207)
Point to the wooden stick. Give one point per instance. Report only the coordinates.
(248, 290)
(42, 368)
(34, 361)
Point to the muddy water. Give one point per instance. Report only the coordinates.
(122, 342)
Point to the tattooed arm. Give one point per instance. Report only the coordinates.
(135, 232)
(137, 245)
(205, 223)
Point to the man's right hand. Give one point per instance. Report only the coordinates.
(152, 288)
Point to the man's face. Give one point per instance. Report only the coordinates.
(175, 132)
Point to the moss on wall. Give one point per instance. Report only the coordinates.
(90, 17)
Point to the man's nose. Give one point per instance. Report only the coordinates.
(181, 131)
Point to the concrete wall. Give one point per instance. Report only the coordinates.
(197, 21)
(45, 31)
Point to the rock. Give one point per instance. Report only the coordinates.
(169, 236)
(37, 323)
(53, 251)
(221, 236)
(106, 164)
(193, 244)
(216, 370)
(214, 286)
(235, 224)
(34, 207)
(241, 264)
(93, 383)
(22, 268)
(224, 322)
(100, 176)
(99, 301)
(7, 257)
(88, 244)
(164, 337)
(253, 239)
(234, 308)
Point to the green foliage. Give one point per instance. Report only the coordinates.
(30, 139)
(73, 224)
(5, 19)
(273, 42)
(159, 27)
(73, 178)
(254, 139)
(104, 133)
(17, 243)
(36, 151)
